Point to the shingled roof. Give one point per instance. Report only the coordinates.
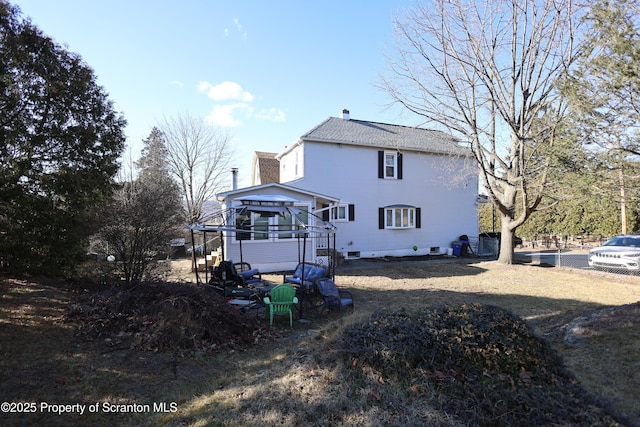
(268, 166)
(382, 135)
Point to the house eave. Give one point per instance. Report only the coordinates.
(221, 197)
(457, 150)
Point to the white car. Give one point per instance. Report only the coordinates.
(619, 253)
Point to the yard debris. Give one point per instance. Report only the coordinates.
(163, 316)
(486, 364)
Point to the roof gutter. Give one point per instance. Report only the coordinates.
(288, 149)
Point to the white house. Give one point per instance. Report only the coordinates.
(402, 190)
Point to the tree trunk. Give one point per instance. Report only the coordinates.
(506, 241)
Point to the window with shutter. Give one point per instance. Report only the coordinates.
(389, 165)
(343, 213)
(399, 217)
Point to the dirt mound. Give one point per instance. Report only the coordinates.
(487, 366)
(162, 316)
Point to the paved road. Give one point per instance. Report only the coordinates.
(564, 259)
(576, 259)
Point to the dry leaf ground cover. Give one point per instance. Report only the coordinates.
(288, 378)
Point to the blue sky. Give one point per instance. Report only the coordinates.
(265, 71)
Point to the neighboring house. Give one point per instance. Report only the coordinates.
(399, 187)
(271, 242)
(265, 168)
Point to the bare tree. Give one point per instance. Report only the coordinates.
(198, 156)
(486, 71)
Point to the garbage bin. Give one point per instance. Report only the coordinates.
(464, 241)
(457, 248)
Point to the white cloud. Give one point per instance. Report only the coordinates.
(271, 114)
(225, 91)
(177, 83)
(224, 115)
(239, 27)
(236, 22)
(233, 103)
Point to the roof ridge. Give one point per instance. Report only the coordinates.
(385, 135)
(267, 153)
(316, 127)
(387, 124)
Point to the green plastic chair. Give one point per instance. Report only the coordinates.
(280, 301)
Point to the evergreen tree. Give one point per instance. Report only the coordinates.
(154, 156)
(60, 141)
(604, 94)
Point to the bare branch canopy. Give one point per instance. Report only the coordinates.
(198, 156)
(486, 72)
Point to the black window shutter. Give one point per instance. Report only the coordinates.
(381, 218)
(325, 214)
(399, 174)
(418, 219)
(380, 164)
(352, 212)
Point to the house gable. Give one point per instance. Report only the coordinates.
(274, 188)
(266, 168)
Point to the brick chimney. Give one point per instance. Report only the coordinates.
(345, 114)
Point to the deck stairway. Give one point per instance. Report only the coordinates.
(212, 258)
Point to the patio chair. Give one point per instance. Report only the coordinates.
(311, 271)
(332, 296)
(280, 301)
(247, 275)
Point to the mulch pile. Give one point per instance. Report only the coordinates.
(163, 316)
(486, 364)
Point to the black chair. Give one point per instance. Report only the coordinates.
(247, 275)
(333, 297)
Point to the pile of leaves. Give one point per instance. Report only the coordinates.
(484, 363)
(164, 316)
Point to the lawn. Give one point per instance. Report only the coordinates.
(289, 377)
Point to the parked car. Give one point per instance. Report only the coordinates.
(619, 253)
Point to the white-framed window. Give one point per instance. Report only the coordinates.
(290, 222)
(390, 165)
(262, 227)
(399, 217)
(340, 213)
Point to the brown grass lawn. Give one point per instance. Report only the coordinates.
(43, 360)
